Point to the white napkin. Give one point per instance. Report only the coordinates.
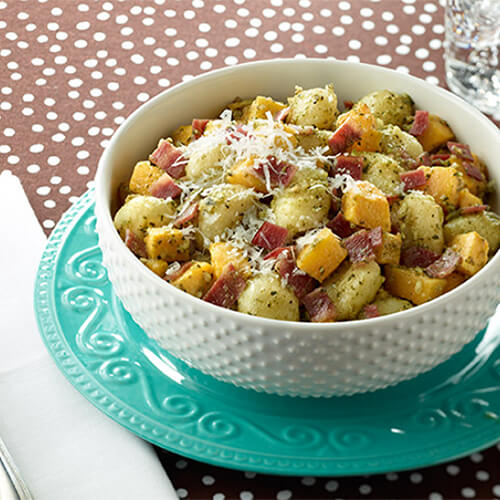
(63, 446)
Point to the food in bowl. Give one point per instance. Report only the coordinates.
(299, 212)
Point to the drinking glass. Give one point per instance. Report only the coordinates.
(472, 42)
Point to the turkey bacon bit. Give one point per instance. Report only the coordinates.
(235, 134)
(475, 209)
(371, 311)
(340, 226)
(135, 244)
(300, 281)
(420, 123)
(439, 159)
(424, 159)
(187, 215)
(198, 127)
(360, 247)
(168, 158)
(226, 289)
(472, 171)
(350, 165)
(270, 236)
(280, 173)
(173, 274)
(418, 257)
(413, 179)
(165, 187)
(375, 236)
(461, 150)
(344, 137)
(319, 306)
(445, 265)
(274, 254)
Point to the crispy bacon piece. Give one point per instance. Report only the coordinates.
(475, 209)
(319, 306)
(270, 236)
(169, 158)
(439, 158)
(420, 123)
(273, 254)
(371, 311)
(413, 179)
(280, 173)
(418, 257)
(361, 244)
(300, 281)
(165, 187)
(348, 104)
(135, 244)
(173, 275)
(227, 288)
(281, 115)
(187, 215)
(199, 126)
(424, 159)
(340, 226)
(235, 134)
(461, 150)
(350, 165)
(335, 203)
(472, 171)
(445, 265)
(344, 137)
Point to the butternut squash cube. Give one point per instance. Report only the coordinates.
(390, 250)
(413, 284)
(223, 253)
(182, 135)
(143, 176)
(243, 173)
(443, 184)
(363, 120)
(473, 249)
(196, 280)
(437, 134)
(167, 243)
(365, 205)
(322, 255)
(467, 199)
(158, 266)
(260, 106)
(453, 280)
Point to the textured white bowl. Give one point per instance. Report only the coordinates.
(299, 359)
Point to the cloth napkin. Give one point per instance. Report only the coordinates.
(64, 447)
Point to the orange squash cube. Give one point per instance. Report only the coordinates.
(473, 249)
(467, 199)
(243, 173)
(196, 280)
(168, 244)
(365, 205)
(223, 253)
(321, 255)
(143, 177)
(443, 184)
(437, 134)
(260, 106)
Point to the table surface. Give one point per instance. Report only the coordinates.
(72, 71)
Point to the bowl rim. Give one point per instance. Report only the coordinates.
(103, 212)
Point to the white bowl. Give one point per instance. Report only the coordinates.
(282, 357)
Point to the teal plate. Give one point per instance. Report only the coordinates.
(444, 414)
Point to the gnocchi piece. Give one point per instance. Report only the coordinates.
(205, 162)
(421, 222)
(141, 212)
(223, 208)
(390, 250)
(352, 287)
(383, 172)
(158, 266)
(389, 304)
(317, 107)
(400, 145)
(265, 295)
(486, 224)
(389, 107)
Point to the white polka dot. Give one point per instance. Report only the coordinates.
(43, 190)
(425, 18)
(182, 493)
(142, 96)
(346, 19)
(53, 160)
(392, 476)
(201, 42)
(207, 480)
(353, 58)
(37, 127)
(354, 44)
(149, 40)
(231, 60)
(476, 458)
(48, 224)
(482, 475)
(365, 489)
(249, 53)
(73, 94)
(325, 12)
(233, 42)
(402, 50)
(468, 493)
(219, 496)
(276, 48)
(82, 155)
(384, 59)
(496, 490)
(435, 496)
(4, 149)
(65, 189)
(5, 106)
(308, 480)
(204, 27)
(270, 36)
(392, 29)
(16, 76)
(251, 33)
(61, 35)
(250, 474)
(403, 69)
(83, 170)
(297, 38)
(319, 30)
(163, 82)
(189, 14)
(246, 495)
(381, 41)
(51, 115)
(230, 23)
(172, 61)
(268, 13)
(284, 495)
(93, 131)
(332, 486)
(36, 148)
(219, 8)
(49, 203)
(418, 29)
(432, 79)
(321, 49)
(78, 116)
(435, 44)
(409, 9)
(344, 5)
(452, 470)
(206, 65)
(128, 45)
(416, 478)
(33, 169)
(421, 53)
(139, 80)
(9, 132)
(289, 12)
(429, 66)
(430, 7)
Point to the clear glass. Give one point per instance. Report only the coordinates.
(472, 43)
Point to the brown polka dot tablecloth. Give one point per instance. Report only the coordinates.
(71, 71)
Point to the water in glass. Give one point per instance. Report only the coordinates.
(472, 52)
